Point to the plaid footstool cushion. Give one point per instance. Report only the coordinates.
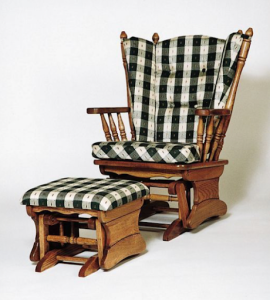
(147, 151)
(85, 193)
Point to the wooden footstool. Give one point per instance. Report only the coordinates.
(113, 206)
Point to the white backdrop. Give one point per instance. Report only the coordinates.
(59, 57)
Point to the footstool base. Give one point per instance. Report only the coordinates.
(117, 230)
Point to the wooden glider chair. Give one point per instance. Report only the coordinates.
(180, 95)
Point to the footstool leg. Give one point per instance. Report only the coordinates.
(121, 233)
(34, 254)
(90, 266)
(43, 233)
(51, 258)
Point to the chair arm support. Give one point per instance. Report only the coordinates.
(107, 110)
(111, 129)
(210, 137)
(205, 112)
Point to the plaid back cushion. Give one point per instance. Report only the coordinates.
(187, 69)
(186, 72)
(227, 69)
(140, 55)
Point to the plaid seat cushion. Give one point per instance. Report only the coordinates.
(178, 75)
(147, 151)
(85, 193)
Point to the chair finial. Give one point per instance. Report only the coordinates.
(155, 38)
(123, 35)
(249, 32)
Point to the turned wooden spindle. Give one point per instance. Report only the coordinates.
(155, 38)
(231, 98)
(243, 53)
(216, 138)
(61, 231)
(71, 240)
(113, 128)
(72, 229)
(123, 36)
(121, 127)
(208, 138)
(200, 135)
(222, 137)
(105, 128)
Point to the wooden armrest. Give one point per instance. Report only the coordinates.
(205, 112)
(107, 110)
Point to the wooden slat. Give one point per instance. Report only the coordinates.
(208, 138)
(106, 128)
(160, 167)
(79, 220)
(121, 127)
(71, 240)
(200, 135)
(71, 258)
(166, 209)
(158, 225)
(216, 138)
(113, 128)
(106, 110)
(205, 112)
(157, 197)
(64, 211)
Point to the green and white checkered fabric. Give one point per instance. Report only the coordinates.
(227, 69)
(169, 80)
(147, 151)
(186, 72)
(85, 193)
(140, 56)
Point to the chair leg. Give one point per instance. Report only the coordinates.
(148, 209)
(206, 210)
(174, 230)
(206, 205)
(34, 254)
(206, 202)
